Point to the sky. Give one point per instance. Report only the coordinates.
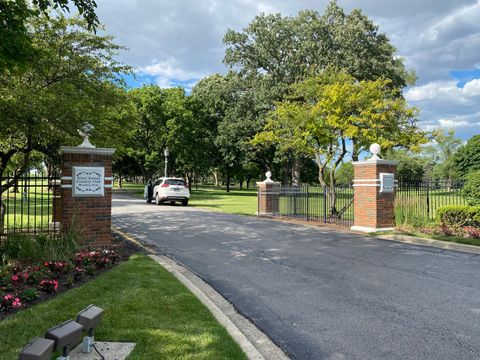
(177, 42)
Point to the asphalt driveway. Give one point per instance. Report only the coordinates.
(321, 294)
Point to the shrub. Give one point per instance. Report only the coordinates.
(48, 286)
(458, 216)
(19, 247)
(407, 214)
(471, 189)
(29, 294)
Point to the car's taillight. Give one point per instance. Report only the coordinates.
(165, 185)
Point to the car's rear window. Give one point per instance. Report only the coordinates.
(175, 182)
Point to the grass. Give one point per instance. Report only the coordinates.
(143, 304)
(242, 202)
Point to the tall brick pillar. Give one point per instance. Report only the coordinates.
(87, 193)
(374, 193)
(267, 196)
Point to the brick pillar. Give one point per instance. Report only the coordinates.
(268, 195)
(87, 193)
(374, 194)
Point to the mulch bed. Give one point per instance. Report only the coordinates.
(58, 277)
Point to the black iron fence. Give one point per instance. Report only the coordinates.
(421, 198)
(28, 204)
(317, 203)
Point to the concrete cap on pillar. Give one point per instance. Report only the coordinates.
(375, 150)
(268, 174)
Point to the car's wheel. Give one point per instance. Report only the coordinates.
(184, 202)
(172, 203)
(157, 200)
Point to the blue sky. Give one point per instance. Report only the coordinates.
(178, 42)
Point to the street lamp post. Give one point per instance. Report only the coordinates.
(166, 152)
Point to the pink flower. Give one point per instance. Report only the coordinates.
(8, 297)
(25, 276)
(15, 278)
(55, 284)
(16, 303)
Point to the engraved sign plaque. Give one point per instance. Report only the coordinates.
(387, 182)
(88, 181)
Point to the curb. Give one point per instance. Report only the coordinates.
(254, 343)
(431, 243)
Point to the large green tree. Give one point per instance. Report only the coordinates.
(325, 112)
(467, 158)
(16, 46)
(230, 114)
(73, 79)
(274, 52)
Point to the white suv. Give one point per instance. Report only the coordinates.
(167, 190)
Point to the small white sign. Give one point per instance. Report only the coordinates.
(387, 182)
(88, 181)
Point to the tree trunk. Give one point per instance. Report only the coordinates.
(296, 168)
(215, 176)
(248, 183)
(228, 181)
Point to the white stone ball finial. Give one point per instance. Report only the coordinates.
(375, 150)
(268, 174)
(85, 131)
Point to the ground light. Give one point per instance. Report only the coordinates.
(66, 336)
(37, 349)
(89, 318)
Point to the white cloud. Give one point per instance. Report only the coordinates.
(445, 91)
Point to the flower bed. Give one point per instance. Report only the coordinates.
(22, 285)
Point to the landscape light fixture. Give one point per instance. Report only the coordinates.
(37, 349)
(89, 318)
(166, 152)
(66, 336)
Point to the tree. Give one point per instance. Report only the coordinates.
(326, 111)
(467, 158)
(230, 113)
(443, 152)
(15, 41)
(274, 52)
(74, 79)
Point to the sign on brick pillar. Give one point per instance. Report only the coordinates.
(87, 193)
(268, 196)
(374, 193)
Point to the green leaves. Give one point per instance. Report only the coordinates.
(325, 111)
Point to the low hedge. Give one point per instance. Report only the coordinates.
(459, 215)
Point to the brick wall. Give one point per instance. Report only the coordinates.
(268, 196)
(372, 209)
(90, 216)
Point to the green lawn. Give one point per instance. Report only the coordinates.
(143, 303)
(234, 202)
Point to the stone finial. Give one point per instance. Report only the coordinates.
(375, 150)
(268, 174)
(85, 131)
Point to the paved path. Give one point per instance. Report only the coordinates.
(321, 294)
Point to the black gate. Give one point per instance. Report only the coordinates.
(317, 203)
(28, 203)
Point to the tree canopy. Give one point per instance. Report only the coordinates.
(15, 37)
(73, 79)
